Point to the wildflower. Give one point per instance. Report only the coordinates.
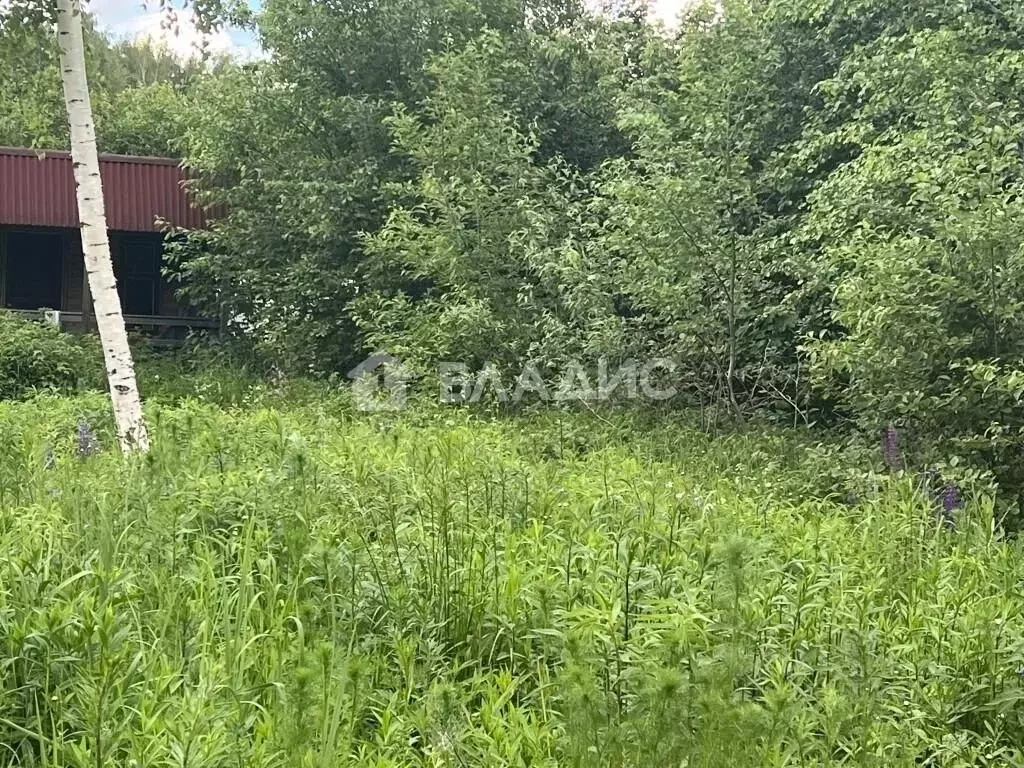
(87, 442)
(950, 498)
(891, 448)
(950, 503)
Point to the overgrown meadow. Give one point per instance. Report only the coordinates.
(284, 581)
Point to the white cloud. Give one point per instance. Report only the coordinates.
(137, 19)
(664, 11)
(179, 33)
(667, 11)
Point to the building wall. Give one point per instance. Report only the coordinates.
(37, 188)
(37, 204)
(130, 253)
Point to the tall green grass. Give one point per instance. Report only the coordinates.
(299, 586)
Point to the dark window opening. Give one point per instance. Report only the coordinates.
(137, 268)
(34, 264)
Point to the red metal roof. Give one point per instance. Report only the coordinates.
(37, 189)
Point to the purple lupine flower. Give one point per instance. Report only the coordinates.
(950, 501)
(87, 442)
(891, 448)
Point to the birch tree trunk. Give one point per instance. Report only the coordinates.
(124, 391)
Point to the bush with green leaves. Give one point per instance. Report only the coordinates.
(475, 240)
(920, 240)
(676, 227)
(286, 258)
(37, 356)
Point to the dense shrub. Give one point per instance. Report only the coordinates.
(921, 238)
(834, 235)
(38, 356)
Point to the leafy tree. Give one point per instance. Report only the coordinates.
(473, 244)
(147, 120)
(298, 153)
(678, 222)
(921, 238)
(34, 113)
(138, 89)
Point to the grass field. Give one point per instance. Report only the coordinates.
(286, 583)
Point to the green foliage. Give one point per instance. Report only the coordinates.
(148, 120)
(677, 226)
(813, 208)
(137, 89)
(295, 212)
(473, 246)
(295, 586)
(37, 356)
(299, 152)
(920, 242)
(34, 113)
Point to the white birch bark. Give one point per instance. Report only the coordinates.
(124, 392)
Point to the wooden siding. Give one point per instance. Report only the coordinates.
(74, 273)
